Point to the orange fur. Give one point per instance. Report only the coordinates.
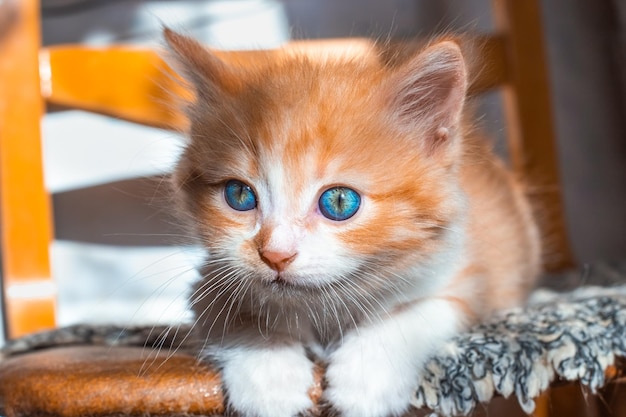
(441, 235)
(294, 109)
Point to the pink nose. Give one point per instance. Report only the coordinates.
(278, 261)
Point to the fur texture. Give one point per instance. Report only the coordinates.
(442, 237)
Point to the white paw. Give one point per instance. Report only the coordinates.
(366, 380)
(268, 382)
(375, 371)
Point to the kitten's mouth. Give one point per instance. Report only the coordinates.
(282, 281)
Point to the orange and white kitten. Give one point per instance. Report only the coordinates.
(346, 211)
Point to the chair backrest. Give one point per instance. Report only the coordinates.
(131, 84)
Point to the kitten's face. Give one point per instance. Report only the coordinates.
(299, 175)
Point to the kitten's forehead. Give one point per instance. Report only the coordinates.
(304, 125)
(290, 182)
(301, 157)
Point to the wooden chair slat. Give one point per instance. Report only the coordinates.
(25, 204)
(529, 121)
(128, 83)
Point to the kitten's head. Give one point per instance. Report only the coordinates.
(303, 173)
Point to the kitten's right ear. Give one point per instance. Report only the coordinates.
(208, 74)
(428, 93)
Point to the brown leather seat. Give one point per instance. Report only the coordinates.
(102, 381)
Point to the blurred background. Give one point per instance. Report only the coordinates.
(147, 279)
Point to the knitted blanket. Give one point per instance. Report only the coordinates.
(571, 335)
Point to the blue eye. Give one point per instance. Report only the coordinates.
(239, 196)
(339, 203)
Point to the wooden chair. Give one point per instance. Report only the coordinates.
(128, 83)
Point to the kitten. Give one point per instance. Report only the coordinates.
(347, 212)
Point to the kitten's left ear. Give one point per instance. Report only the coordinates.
(428, 93)
(208, 74)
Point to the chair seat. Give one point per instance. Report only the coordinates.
(99, 380)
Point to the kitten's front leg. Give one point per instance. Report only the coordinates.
(375, 371)
(267, 380)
